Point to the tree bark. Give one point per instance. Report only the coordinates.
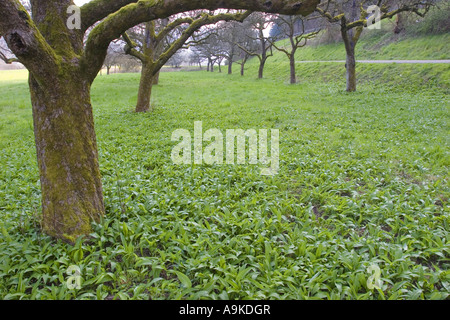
(156, 78)
(261, 68)
(350, 64)
(292, 67)
(145, 88)
(351, 71)
(67, 157)
(230, 66)
(350, 39)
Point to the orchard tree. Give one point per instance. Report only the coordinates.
(292, 28)
(246, 39)
(208, 46)
(228, 34)
(112, 57)
(162, 39)
(177, 59)
(195, 59)
(355, 15)
(62, 68)
(259, 23)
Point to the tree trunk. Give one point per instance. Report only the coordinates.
(145, 88)
(350, 64)
(292, 67)
(351, 71)
(156, 78)
(108, 68)
(67, 157)
(350, 40)
(261, 68)
(230, 66)
(244, 61)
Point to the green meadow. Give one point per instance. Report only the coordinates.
(363, 182)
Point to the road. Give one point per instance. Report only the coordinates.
(386, 61)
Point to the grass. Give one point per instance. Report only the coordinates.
(384, 45)
(363, 181)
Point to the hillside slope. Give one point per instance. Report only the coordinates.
(381, 47)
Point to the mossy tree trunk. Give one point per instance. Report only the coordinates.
(350, 62)
(67, 156)
(145, 87)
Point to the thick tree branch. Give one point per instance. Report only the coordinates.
(131, 48)
(172, 26)
(97, 10)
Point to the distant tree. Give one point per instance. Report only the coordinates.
(292, 28)
(208, 46)
(112, 57)
(176, 60)
(247, 38)
(353, 16)
(195, 58)
(260, 22)
(228, 34)
(158, 40)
